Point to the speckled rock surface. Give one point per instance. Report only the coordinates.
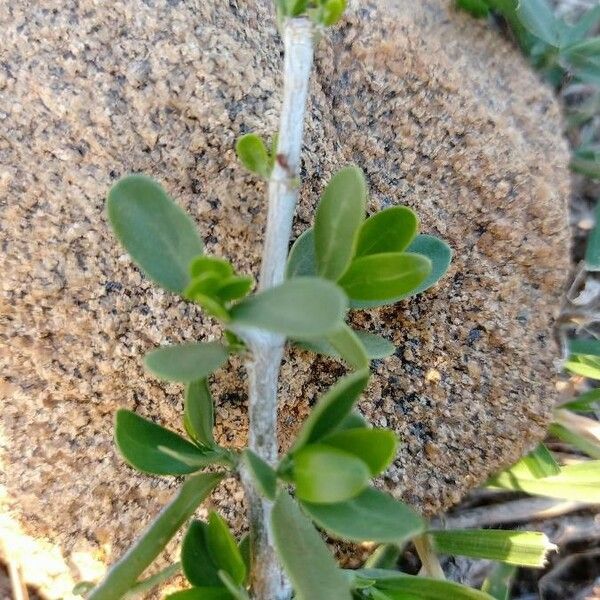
(441, 113)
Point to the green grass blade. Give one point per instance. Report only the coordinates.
(124, 574)
(523, 548)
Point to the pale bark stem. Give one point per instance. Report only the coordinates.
(266, 349)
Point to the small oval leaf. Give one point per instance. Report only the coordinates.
(371, 516)
(262, 474)
(339, 215)
(376, 447)
(349, 346)
(302, 308)
(210, 264)
(199, 412)
(375, 346)
(332, 408)
(440, 255)
(384, 277)
(158, 234)
(197, 562)
(153, 449)
(324, 475)
(302, 261)
(224, 549)
(186, 362)
(234, 288)
(253, 154)
(391, 230)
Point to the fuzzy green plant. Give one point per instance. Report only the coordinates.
(346, 260)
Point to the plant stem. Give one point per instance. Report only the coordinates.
(266, 349)
(429, 560)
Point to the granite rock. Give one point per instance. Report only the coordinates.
(442, 114)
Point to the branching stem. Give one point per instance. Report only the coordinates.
(266, 349)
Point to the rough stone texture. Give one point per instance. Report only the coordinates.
(440, 112)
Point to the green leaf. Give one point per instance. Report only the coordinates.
(584, 364)
(224, 549)
(440, 255)
(143, 587)
(349, 346)
(375, 346)
(333, 11)
(524, 548)
(586, 159)
(592, 251)
(301, 308)
(245, 551)
(586, 23)
(325, 475)
(499, 582)
(438, 252)
(371, 516)
(203, 285)
(399, 586)
(302, 261)
(537, 17)
(153, 449)
(198, 564)
(540, 463)
(237, 591)
(304, 555)
(573, 437)
(477, 8)
(376, 447)
(388, 231)
(384, 277)
(332, 408)
(157, 233)
(198, 416)
(339, 216)
(295, 8)
(123, 575)
(202, 593)
(234, 288)
(579, 482)
(587, 402)
(253, 154)
(584, 346)
(385, 556)
(584, 53)
(263, 475)
(186, 362)
(212, 307)
(353, 421)
(203, 265)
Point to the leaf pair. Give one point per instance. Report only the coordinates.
(212, 560)
(153, 449)
(215, 285)
(323, 463)
(164, 242)
(367, 258)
